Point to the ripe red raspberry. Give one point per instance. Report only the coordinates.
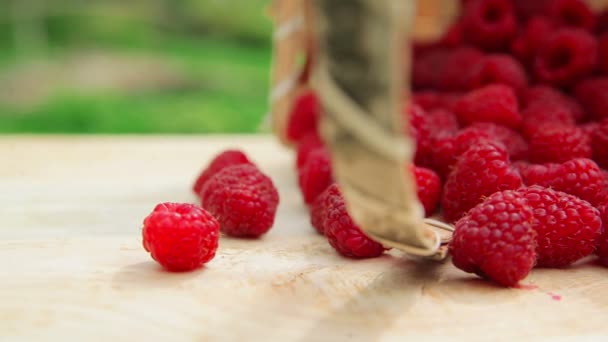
(489, 24)
(557, 144)
(548, 113)
(427, 68)
(593, 95)
(344, 235)
(459, 67)
(495, 239)
(568, 228)
(446, 150)
(453, 37)
(499, 69)
(554, 98)
(309, 142)
(430, 100)
(493, 103)
(605, 174)
(480, 171)
(303, 117)
(515, 143)
(602, 246)
(602, 22)
(427, 127)
(428, 187)
(316, 175)
(565, 57)
(527, 9)
(572, 13)
(603, 51)
(599, 143)
(526, 44)
(317, 209)
(579, 177)
(242, 199)
(180, 236)
(222, 160)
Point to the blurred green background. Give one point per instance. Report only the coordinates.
(133, 66)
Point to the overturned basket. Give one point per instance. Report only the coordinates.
(355, 55)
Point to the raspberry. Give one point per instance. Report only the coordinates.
(453, 37)
(579, 177)
(599, 144)
(242, 199)
(602, 246)
(528, 9)
(605, 174)
(489, 24)
(602, 22)
(427, 127)
(593, 95)
(304, 116)
(316, 175)
(317, 209)
(499, 69)
(222, 160)
(516, 144)
(553, 98)
(427, 68)
(565, 57)
(542, 113)
(428, 187)
(525, 45)
(309, 142)
(480, 171)
(344, 235)
(446, 150)
(430, 100)
(603, 51)
(495, 239)
(458, 68)
(572, 13)
(557, 144)
(493, 103)
(568, 228)
(180, 237)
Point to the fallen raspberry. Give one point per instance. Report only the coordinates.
(593, 95)
(568, 228)
(180, 237)
(242, 199)
(526, 44)
(317, 209)
(480, 171)
(222, 160)
(495, 240)
(572, 13)
(558, 143)
(567, 56)
(489, 24)
(303, 117)
(545, 113)
(344, 235)
(499, 69)
(515, 143)
(579, 177)
(493, 103)
(316, 175)
(428, 187)
(599, 143)
(309, 142)
(459, 67)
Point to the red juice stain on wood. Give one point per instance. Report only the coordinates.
(554, 296)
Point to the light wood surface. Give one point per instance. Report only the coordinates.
(72, 266)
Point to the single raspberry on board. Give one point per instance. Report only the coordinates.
(495, 103)
(489, 24)
(242, 199)
(514, 142)
(316, 175)
(481, 171)
(317, 209)
(180, 236)
(592, 93)
(222, 160)
(495, 239)
(303, 117)
(599, 143)
(579, 177)
(568, 228)
(499, 69)
(572, 13)
(567, 56)
(428, 186)
(309, 142)
(558, 144)
(344, 235)
(541, 113)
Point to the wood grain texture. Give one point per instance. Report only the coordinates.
(73, 267)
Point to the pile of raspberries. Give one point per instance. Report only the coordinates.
(509, 114)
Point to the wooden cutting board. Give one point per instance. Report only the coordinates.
(72, 265)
